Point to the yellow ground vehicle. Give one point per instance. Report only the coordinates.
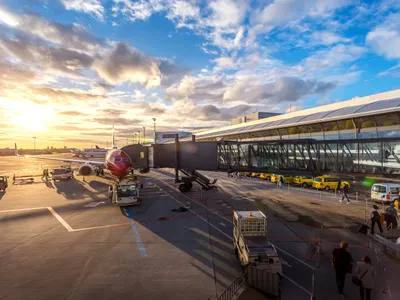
(286, 178)
(266, 176)
(253, 174)
(245, 174)
(328, 183)
(304, 181)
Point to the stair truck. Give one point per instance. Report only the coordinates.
(252, 246)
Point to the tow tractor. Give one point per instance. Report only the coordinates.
(125, 193)
(3, 183)
(251, 243)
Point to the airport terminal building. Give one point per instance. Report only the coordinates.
(375, 116)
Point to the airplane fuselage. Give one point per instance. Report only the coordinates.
(118, 163)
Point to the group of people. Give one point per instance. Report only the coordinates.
(390, 216)
(363, 275)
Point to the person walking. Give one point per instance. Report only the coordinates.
(366, 273)
(345, 192)
(391, 217)
(375, 217)
(280, 181)
(343, 263)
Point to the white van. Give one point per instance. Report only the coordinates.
(387, 192)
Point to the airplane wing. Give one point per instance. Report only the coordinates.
(78, 161)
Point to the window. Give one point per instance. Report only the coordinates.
(379, 188)
(329, 126)
(318, 179)
(387, 120)
(394, 190)
(332, 179)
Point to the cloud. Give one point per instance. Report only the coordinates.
(290, 12)
(202, 89)
(385, 38)
(283, 89)
(328, 38)
(15, 74)
(67, 127)
(126, 64)
(92, 7)
(112, 112)
(72, 113)
(227, 13)
(102, 86)
(116, 121)
(32, 52)
(393, 72)
(332, 57)
(63, 96)
(72, 36)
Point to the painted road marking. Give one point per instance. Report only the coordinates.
(294, 257)
(60, 219)
(296, 284)
(299, 260)
(136, 234)
(225, 218)
(199, 215)
(94, 204)
(21, 209)
(284, 262)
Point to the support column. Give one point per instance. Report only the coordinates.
(177, 158)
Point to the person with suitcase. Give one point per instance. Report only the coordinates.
(375, 218)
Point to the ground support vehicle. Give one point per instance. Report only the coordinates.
(62, 173)
(252, 246)
(329, 183)
(304, 181)
(3, 183)
(124, 193)
(386, 192)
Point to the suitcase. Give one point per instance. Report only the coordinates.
(363, 229)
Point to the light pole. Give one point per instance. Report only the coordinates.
(139, 137)
(154, 120)
(144, 135)
(34, 143)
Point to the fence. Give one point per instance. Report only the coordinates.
(264, 281)
(232, 289)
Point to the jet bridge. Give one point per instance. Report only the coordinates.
(300, 156)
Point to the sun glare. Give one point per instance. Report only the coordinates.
(31, 117)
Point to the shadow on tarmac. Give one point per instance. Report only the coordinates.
(160, 171)
(191, 235)
(74, 189)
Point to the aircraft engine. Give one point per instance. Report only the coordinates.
(86, 170)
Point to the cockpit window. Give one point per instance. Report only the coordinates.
(121, 159)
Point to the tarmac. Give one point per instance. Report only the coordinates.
(65, 240)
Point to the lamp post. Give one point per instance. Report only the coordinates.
(154, 120)
(139, 137)
(34, 143)
(144, 135)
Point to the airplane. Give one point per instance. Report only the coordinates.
(97, 152)
(117, 162)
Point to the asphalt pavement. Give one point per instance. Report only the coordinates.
(64, 240)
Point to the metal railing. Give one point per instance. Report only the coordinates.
(232, 289)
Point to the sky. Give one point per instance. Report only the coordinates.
(71, 69)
